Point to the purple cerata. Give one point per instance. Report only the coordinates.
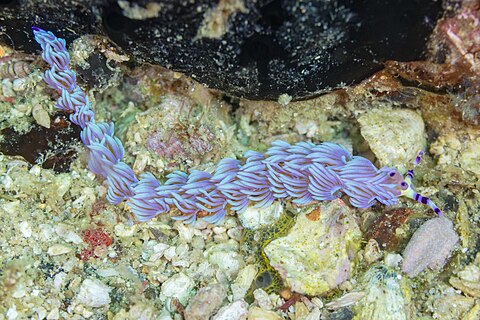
(303, 173)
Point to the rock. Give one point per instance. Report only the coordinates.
(346, 300)
(58, 249)
(458, 149)
(138, 311)
(473, 314)
(468, 280)
(262, 299)
(372, 252)
(243, 281)
(386, 296)
(178, 286)
(226, 257)
(25, 229)
(314, 314)
(254, 49)
(237, 310)
(402, 128)
(469, 156)
(452, 306)
(207, 300)
(301, 310)
(93, 293)
(68, 233)
(41, 116)
(53, 314)
(255, 218)
(256, 313)
(316, 256)
(430, 246)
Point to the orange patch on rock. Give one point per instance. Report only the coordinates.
(314, 215)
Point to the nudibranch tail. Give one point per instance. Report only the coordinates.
(410, 191)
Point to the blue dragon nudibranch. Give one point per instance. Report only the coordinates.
(303, 172)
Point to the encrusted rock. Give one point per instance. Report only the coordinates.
(429, 246)
(93, 293)
(243, 281)
(178, 286)
(58, 249)
(255, 218)
(459, 148)
(402, 128)
(226, 257)
(205, 302)
(468, 280)
(452, 306)
(386, 296)
(372, 251)
(316, 256)
(237, 310)
(256, 313)
(262, 299)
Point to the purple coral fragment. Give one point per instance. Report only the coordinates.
(303, 172)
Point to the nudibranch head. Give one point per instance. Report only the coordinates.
(410, 192)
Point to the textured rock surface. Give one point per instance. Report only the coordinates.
(255, 218)
(386, 296)
(93, 293)
(257, 49)
(237, 310)
(395, 136)
(468, 280)
(226, 257)
(316, 256)
(205, 302)
(453, 306)
(459, 148)
(430, 246)
(256, 313)
(179, 286)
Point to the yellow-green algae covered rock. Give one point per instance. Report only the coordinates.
(319, 252)
(387, 296)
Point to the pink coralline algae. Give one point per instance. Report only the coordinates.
(176, 146)
(170, 149)
(430, 246)
(304, 172)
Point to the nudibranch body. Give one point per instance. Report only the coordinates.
(303, 173)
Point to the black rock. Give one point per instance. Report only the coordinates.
(299, 47)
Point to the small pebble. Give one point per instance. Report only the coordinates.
(54, 314)
(169, 253)
(19, 84)
(178, 286)
(262, 299)
(256, 313)
(204, 304)
(93, 293)
(41, 116)
(372, 251)
(237, 310)
(315, 314)
(25, 229)
(235, 233)
(7, 88)
(317, 302)
(58, 249)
